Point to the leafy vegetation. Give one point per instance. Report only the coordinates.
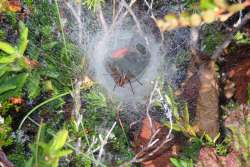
(13, 60)
(40, 66)
(48, 153)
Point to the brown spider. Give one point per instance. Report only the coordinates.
(121, 78)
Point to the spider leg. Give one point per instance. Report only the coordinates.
(138, 81)
(114, 87)
(131, 86)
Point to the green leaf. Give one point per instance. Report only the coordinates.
(216, 138)
(7, 59)
(23, 40)
(186, 115)
(182, 162)
(7, 48)
(33, 85)
(175, 162)
(171, 101)
(93, 4)
(3, 69)
(248, 93)
(17, 81)
(59, 140)
(175, 126)
(29, 163)
(208, 138)
(208, 4)
(21, 62)
(62, 153)
(243, 140)
(50, 45)
(5, 88)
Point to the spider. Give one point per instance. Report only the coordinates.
(121, 78)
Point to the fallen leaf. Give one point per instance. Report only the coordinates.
(16, 100)
(87, 83)
(200, 91)
(207, 108)
(31, 63)
(14, 5)
(162, 157)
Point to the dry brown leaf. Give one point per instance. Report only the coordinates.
(87, 82)
(16, 100)
(200, 90)
(14, 5)
(31, 63)
(207, 113)
(161, 158)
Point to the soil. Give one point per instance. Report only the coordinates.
(237, 70)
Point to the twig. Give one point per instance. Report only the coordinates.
(37, 142)
(228, 40)
(105, 141)
(194, 40)
(135, 160)
(120, 123)
(102, 19)
(77, 101)
(116, 21)
(150, 6)
(144, 154)
(114, 8)
(240, 15)
(135, 20)
(40, 105)
(149, 105)
(77, 16)
(62, 28)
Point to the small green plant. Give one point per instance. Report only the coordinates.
(93, 4)
(13, 64)
(5, 131)
(18, 157)
(181, 121)
(182, 162)
(212, 38)
(95, 100)
(240, 134)
(241, 38)
(48, 154)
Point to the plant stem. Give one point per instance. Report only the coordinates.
(37, 141)
(40, 105)
(61, 27)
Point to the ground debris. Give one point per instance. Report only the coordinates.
(237, 70)
(208, 157)
(161, 158)
(4, 162)
(200, 91)
(238, 122)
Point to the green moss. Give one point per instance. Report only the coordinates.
(5, 132)
(212, 37)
